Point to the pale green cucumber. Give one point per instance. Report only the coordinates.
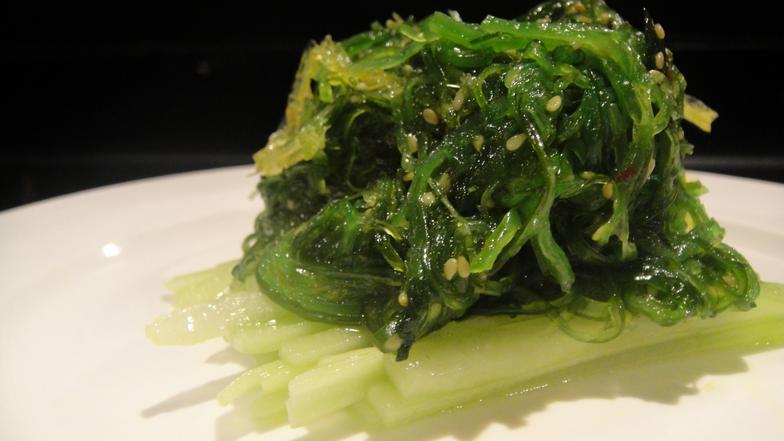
(269, 336)
(270, 377)
(186, 326)
(310, 348)
(203, 321)
(463, 356)
(269, 404)
(327, 388)
(201, 286)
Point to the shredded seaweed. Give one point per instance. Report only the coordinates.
(432, 170)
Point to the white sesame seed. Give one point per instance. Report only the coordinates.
(659, 59)
(458, 100)
(587, 175)
(554, 103)
(516, 141)
(584, 19)
(450, 268)
(430, 116)
(656, 75)
(444, 181)
(402, 298)
(607, 190)
(413, 143)
(393, 343)
(659, 30)
(408, 177)
(604, 18)
(427, 198)
(407, 69)
(479, 141)
(463, 267)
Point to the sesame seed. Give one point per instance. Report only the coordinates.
(408, 69)
(455, 15)
(587, 175)
(430, 116)
(444, 181)
(458, 100)
(463, 267)
(659, 59)
(604, 18)
(580, 7)
(393, 343)
(402, 298)
(479, 141)
(413, 143)
(584, 19)
(657, 76)
(607, 190)
(408, 177)
(659, 30)
(516, 141)
(554, 103)
(427, 198)
(450, 268)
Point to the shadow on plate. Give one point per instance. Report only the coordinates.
(646, 376)
(206, 391)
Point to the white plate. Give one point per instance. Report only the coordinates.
(81, 275)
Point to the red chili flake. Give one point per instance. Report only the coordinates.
(626, 174)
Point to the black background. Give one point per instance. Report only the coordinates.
(102, 94)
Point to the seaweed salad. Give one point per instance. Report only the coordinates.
(429, 171)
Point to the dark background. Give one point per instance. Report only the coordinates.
(102, 94)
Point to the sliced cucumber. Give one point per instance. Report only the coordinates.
(331, 387)
(310, 348)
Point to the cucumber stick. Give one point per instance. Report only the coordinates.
(322, 369)
(310, 348)
(331, 387)
(465, 356)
